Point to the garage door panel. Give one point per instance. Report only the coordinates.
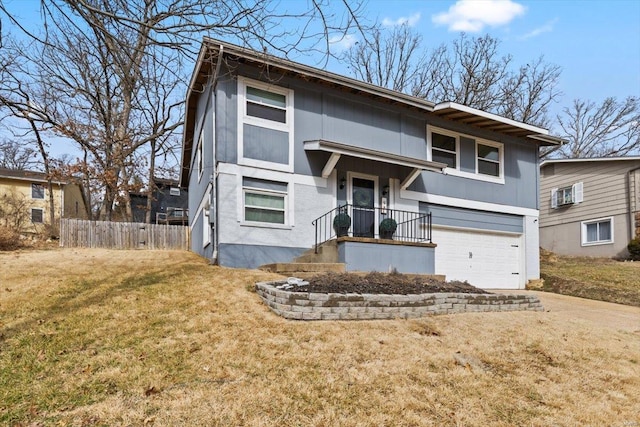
(486, 260)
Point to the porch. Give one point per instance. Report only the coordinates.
(366, 238)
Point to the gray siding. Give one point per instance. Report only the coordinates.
(605, 190)
(519, 189)
(327, 113)
(265, 144)
(227, 119)
(253, 256)
(467, 155)
(385, 258)
(607, 187)
(467, 218)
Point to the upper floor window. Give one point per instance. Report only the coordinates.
(266, 105)
(174, 191)
(37, 191)
(199, 156)
(489, 159)
(466, 156)
(444, 149)
(265, 125)
(565, 196)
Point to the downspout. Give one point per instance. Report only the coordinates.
(630, 200)
(214, 175)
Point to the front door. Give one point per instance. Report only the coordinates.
(363, 196)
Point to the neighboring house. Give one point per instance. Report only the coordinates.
(169, 205)
(274, 151)
(589, 207)
(24, 200)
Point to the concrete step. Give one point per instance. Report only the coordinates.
(327, 253)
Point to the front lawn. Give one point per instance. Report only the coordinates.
(595, 278)
(151, 338)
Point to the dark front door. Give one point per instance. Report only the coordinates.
(363, 207)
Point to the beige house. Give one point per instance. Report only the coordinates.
(24, 200)
(589, 207)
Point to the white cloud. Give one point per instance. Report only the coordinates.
(546, 28)
(342, 42)
(409, 21)
(473, 15)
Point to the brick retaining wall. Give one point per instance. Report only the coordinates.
(316, 306)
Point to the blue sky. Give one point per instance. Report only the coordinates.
(597, 43)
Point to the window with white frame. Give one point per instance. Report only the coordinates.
(265, 125)
(565, 196)
(37, 215)
(37, 191)
(199, 156)
(264, 201)
(444, 148)
(597, 232)
(489, 158)
(266, 105)
(174, 191)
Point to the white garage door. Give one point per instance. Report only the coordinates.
(485, 260)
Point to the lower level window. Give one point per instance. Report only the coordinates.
(598, 231)
(37, 216)
(265, 201)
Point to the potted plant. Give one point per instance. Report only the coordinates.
(341, 224)
(387, 228)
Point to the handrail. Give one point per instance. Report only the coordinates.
(365, 222)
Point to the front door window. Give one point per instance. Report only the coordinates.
(363, 207)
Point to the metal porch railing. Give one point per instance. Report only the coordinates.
(353, 221)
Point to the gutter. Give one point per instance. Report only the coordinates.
(213, 198)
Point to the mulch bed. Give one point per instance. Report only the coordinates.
(380, 283)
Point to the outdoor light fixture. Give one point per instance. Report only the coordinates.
(385, 190)
(343, 182)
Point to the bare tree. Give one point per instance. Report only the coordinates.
(470, 71)
(394, 61)
(16, 97)
(609, 129)
(90, 66)
(17, 155)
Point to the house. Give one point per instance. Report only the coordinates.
(275, 153)
(169, 204)
(24, 200)
(590, 207)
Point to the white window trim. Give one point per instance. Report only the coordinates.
(457, 172)
(577, 195)
(174, 191)
(31, 215)
(430, 131)
(583, 232)
(500, 147)
(200, 156)
(243, 118)
(288, 198)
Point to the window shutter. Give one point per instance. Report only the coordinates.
(554, 198)
(577, 191)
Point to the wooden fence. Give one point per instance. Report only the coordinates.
(76, 233)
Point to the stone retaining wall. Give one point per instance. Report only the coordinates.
(316, 306)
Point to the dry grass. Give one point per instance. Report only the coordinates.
(97, 337)
(595, 278)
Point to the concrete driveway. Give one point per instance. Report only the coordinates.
(599, 313)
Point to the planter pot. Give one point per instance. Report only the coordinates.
(341, 231)
(386, 235)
